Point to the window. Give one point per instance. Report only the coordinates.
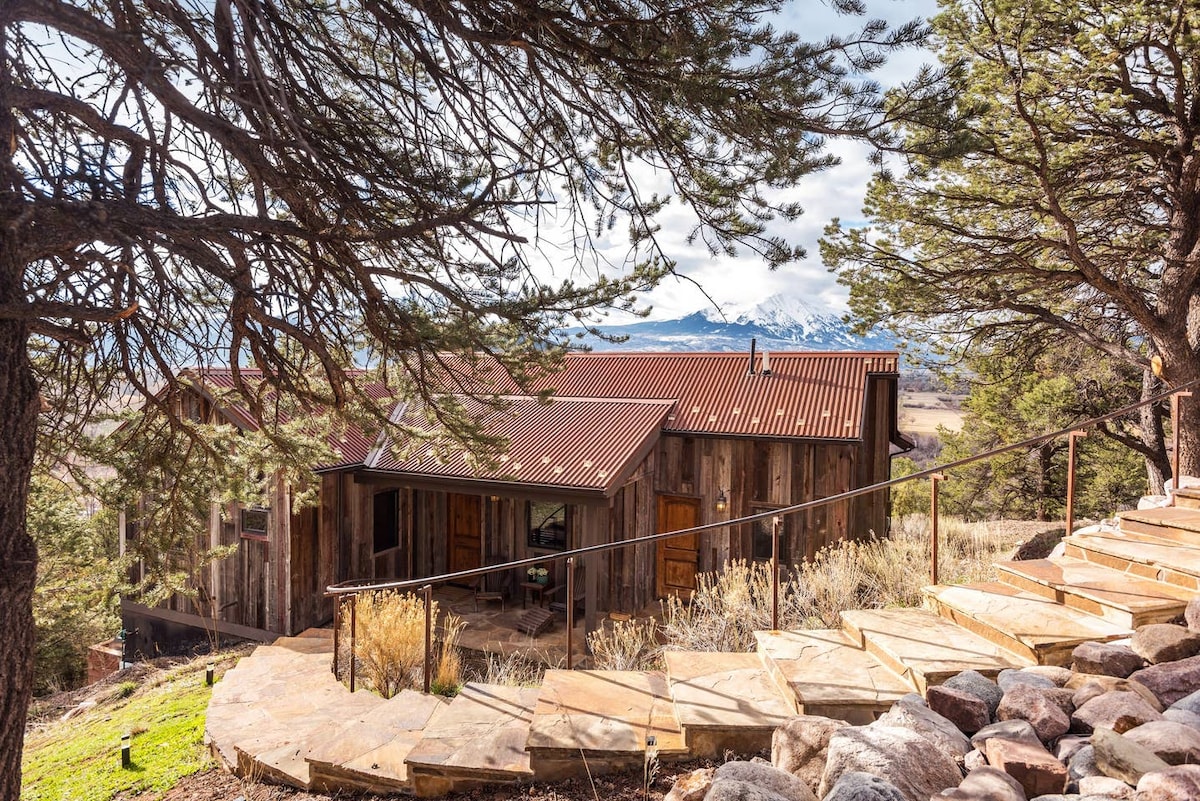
(547, 525)
(254, 522)
(387, 521)
(761, 538)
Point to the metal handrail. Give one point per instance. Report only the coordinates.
(936, 473)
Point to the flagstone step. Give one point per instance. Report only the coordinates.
(1139, 555)
(367, 753)
(479, 738)
(1172, 523)
(924, 648)
(725, 702)
(1032, 627)
(1187, 498)
(823, 672)
(611, 718)
(1115, 596)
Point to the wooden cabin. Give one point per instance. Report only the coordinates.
(631, 444)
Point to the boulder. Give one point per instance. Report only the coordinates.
(1182, 716)
(734, 790)
(1105, 787)
(1119, 711)
(968, 712)
(978, 685)
(1007, 679)
(1191, 614)
(1164, 642)
(691, 786)
(857, 786)
(1008, 729)
(1059, 675)
(1189, 703)
(1063, 698)
(985, 784)
(799, 746)
(1105, 659)
(1180, 783)
(1068, 744)
(768, 777)
(1088, 686)
(1023, 701)
(1174, 743)
(898, 755)
(1083, 763)
(1123, 759)
(911, 712)
(1171, 681)
(1034, 768)
(974, 759)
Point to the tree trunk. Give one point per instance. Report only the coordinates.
(1150, 423)
(18, 556)
(1181, 366)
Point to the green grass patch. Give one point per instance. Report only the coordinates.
(80, 758)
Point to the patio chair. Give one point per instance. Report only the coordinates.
(480, 592)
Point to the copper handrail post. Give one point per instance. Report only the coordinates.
(353, 633)
(775, 524)
(933, 526)
(428, 590)
(570, 613)
(1175, 416)
(1074, 435)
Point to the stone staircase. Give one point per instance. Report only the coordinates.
(280, 715)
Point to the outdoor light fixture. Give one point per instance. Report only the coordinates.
(722, 502)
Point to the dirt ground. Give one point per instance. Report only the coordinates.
(217, 785)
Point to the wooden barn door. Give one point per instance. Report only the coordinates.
(677, 556)
(464, 520)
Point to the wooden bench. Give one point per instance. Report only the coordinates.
(535, 621)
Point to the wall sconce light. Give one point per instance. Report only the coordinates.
(494, 498)
(722, 502)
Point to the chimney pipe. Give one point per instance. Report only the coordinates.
(750, 369)
(766, 368)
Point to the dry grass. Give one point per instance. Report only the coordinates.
(390, 644)
(727, 608)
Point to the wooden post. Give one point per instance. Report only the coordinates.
(775, 525)
(933, 518)
(428, 590)
(1074, 435)
(570, 613)
(337, 631)
(353, 632)
(1175, 417)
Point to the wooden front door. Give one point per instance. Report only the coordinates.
(464, 521)
(677, 556)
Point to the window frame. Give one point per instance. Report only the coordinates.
(262, 534)
(762, 529)
(543, 543)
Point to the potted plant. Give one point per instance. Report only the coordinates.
(539, 575)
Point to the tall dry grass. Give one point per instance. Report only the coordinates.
(728, 607)
(390, 644)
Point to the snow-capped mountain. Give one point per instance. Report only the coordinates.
(777, 323)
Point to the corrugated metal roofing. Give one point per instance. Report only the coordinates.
(601, 416)
(571, 443)
(809, 395)
(351, 444)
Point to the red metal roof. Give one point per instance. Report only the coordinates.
(809, 395)
(569, 443)
(609, 405)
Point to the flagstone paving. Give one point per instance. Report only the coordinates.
(280, 714)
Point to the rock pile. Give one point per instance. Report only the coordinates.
(1122, 724)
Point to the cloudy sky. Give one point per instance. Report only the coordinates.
(739, 283)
